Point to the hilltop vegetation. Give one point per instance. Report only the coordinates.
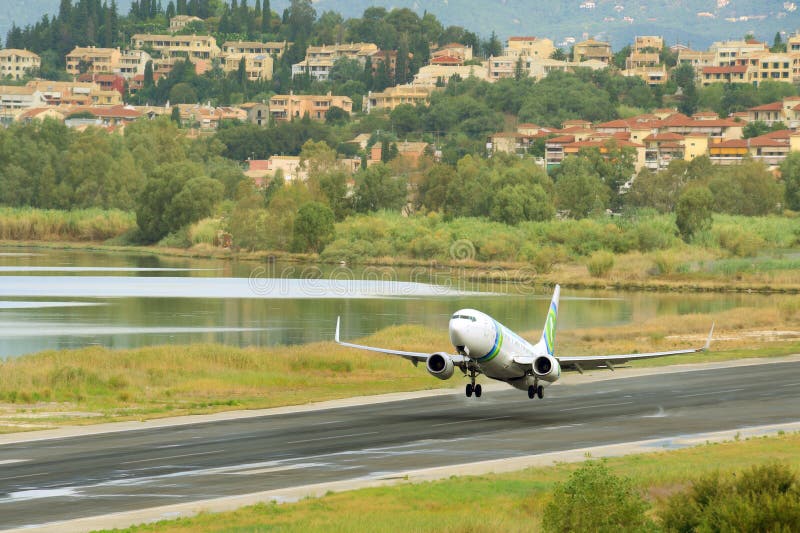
(676, 21)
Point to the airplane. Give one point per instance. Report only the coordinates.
(484, 346)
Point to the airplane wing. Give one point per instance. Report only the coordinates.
(581, 363)
(414, 357)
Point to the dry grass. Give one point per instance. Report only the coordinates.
(507, 502)
(100, 384)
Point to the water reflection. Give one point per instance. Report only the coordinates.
(127, 300)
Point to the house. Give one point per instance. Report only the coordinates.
(319, 69)
(75, 93)
(291, 106)
(16, 64)
(107, 82)
(536, 47)
(93, 60)
(387, 57)
(663, 148)
(394, 96)
(767, 113)
(178, 22)
(39, 114)
(648, 43)
(257, 113)
(438, 76)
(592, 49)
(462, 51)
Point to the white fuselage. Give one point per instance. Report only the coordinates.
(494, 348)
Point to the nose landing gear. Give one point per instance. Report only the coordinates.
(472, 387)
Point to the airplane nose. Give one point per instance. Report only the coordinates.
(458, 335)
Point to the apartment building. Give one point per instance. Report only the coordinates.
(255, 47)
(592, 49)
(259, 67)
(642, 60)
(16, 64)
(291, 106)
(538, 68)
(730, 52)
(652, 75)
(132, 63)
(15, 98)
(319, 60)
(764, 66)
(394, 96)
(537, 47)
(75, 93)
(357, 51)
(178, 46)
(93, 60)
(724, 74)
(695, 58)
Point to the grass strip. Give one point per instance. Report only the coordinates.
(487, 503)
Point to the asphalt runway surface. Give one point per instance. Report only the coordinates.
(61, 479)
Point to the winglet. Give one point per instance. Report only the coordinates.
(708, 341)
(336, 337)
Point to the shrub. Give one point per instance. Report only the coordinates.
(763, 498)
(594, 499)
(666, 262)
(600, 263)
(739, 242)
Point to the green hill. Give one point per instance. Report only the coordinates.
(694, 22)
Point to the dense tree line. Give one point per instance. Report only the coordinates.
(153, 169)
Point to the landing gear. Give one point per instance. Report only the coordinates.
(535, 390)
(472, 387)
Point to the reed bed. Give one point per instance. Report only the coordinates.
(91, 225)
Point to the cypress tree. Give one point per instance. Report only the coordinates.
(266, 16)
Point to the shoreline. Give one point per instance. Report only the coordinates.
(500, 272)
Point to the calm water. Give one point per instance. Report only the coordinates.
(62, 299)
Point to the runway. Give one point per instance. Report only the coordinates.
(54, 480)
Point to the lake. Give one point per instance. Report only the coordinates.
(55, 299)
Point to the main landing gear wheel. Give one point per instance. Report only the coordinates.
(531, 392)
(540, 392)
(478, 390)
(470, 388)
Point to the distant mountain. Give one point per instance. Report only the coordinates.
(694, 22)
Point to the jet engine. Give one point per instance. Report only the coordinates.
(546, 367)
(440, 365)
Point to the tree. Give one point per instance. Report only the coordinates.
(377, 189)
(579, 190)
(517, 203)
(747, 189)
(559, 54)
(693, 211)
(519, 69)
(790, 171)
(405, 119)
(492, 47)
(336, 115)
(175, 115)
(175, 195)
(594, 499)
(313, 228)
(777, 44)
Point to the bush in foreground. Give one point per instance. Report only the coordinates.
(594, 499)
(763, 498)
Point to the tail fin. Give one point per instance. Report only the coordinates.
(549, 334)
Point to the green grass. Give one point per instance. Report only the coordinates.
(495, 502)
(26, 224)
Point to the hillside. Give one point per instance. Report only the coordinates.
(694, 22)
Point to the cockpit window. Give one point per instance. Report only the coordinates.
(465, 317)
